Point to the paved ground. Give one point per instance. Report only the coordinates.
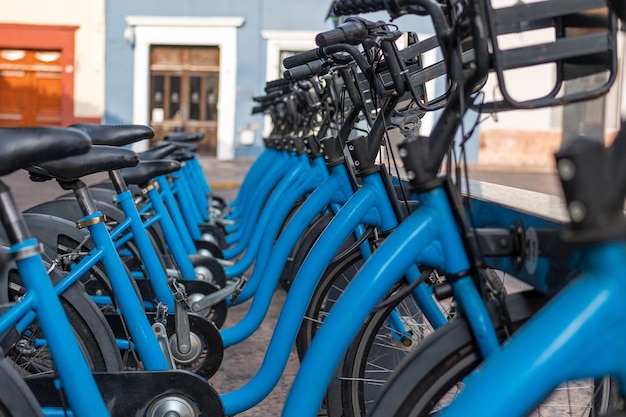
(242, 361)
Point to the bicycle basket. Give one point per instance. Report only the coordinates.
(568, 39)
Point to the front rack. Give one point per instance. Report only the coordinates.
(583, 43)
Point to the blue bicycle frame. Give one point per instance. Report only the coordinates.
(364, 207)
(241, 237)
(333, 191)
(429, 236)
(304, 178)
(245, 213)
(131, 307)
(575, 336)
(82, 392)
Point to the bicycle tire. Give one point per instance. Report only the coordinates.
(377, 351)
(332, 284)
(88, 324)
(335, 279)
(432, 371)
(16, 399)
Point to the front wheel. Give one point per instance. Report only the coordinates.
(391, 332)
(16, 399)
(432, 376)
(29, 352)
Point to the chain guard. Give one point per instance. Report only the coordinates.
(131, 393)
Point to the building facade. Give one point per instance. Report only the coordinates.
(197, 65)
(51, 62)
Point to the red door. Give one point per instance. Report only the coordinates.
(30, 88)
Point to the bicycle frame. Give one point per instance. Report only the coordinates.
(247, 210)
(335, 190)
(301, 180)
(240, 238)
(105, 251)
(131, 307)
(74, 374)
(261, 169)
(429, 236)
(573, 337)
(366, 206)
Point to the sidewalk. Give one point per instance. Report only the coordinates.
(225, 174)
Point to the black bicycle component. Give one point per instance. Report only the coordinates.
(314, 148)
(268, 97)
(348, 7)
(585, 44)
(593, 192)
(333, 151)
(390, 52)
(16, 149)
(115, 135)
(147, 388)
(307, 70)
(359, 150)
(209, 248)
(210, 268)
(302, 58)
(198, 289)
(207, 363)
(396, 8)
(449, 355)
(16, 399)
(353, 31)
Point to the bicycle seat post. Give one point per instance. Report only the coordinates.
(118, 181)
(12, 220)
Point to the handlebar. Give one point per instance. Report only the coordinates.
(268, 97)
(277, 85)
(302, 72)
(394, 7)
(303, 58)
(354, 31)
(306, 57)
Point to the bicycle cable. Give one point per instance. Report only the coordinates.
(396, 297)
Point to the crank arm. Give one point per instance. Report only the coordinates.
(232, 286)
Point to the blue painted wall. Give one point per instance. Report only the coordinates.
(259, 15)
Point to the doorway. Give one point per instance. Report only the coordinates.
(184, 91)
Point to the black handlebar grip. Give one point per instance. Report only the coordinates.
(259, 109)
(352, 7)
(353, 31)
(277, 85)
(302, 72)
(303, 58)
(268, 97)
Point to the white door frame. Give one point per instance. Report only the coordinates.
(282, 40)
(145, 31)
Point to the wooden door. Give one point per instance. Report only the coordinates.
(30, 88)
(184, 91)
